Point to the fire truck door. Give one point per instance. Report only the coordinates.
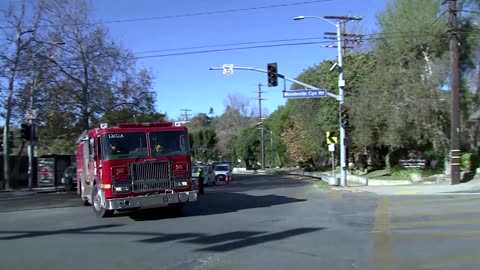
(88, 159)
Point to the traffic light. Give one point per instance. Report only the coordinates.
(344, 118)
(272, 74)
(25, 132)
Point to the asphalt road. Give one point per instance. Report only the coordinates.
(257, 222)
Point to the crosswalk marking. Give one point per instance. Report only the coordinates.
(434, 236)
(436, 223)
(439, 212)
(334, 195)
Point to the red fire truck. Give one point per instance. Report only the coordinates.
(134, 166)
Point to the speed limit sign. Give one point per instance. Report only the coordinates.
(228, 69)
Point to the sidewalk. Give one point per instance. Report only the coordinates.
(396, 187)
(472, 187)
(5, 194)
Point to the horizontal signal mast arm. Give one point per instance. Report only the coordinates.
(280, 76)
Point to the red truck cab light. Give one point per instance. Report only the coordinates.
(120, 173)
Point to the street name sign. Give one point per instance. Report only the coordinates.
(305, 93)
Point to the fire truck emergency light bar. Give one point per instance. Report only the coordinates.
(149, 124)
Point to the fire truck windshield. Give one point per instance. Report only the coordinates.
(169, 143)
(120, 145)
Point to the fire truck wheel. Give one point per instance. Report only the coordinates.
(97, 204)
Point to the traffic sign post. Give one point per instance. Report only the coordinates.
(305, 93)
(228, 69)
(330, 138)
(333, 177)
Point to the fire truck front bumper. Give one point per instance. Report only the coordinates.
(150, 201)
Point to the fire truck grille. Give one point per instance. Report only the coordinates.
(150, 176)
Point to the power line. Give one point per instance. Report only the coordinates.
(400, 35)
(228, 44)
(217, 12)
(195, 13)
(229, 49)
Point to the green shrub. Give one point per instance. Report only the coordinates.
(432, 171)
(438, 156)
(469, 162)
(392, 159)
(397, 171)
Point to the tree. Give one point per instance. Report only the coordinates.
(204, 141)
(199, 121)
(18, 37)
(97, 69)
(410, 65)
(236, 116)
(247, 146)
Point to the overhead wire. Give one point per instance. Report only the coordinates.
(374, 36)
(217, 12)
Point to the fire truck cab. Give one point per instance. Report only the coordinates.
(134, 166)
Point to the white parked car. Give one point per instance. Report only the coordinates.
(209, 175)
(223, 172)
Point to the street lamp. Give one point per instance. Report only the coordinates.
(341, 97)
(298, 18)
(31, 114)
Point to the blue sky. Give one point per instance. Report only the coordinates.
(185, 81)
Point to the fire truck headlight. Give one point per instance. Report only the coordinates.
(181, 184)
(122, 188)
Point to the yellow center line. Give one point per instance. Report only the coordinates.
(382, 249)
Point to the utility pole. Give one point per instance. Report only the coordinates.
(31, 135)
(186, 114)
(262, 145)
(341, 47)
(455, 152)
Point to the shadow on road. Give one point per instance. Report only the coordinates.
(218, 242)
(33, 234)
(255, 240)
(244, 183)
(215, 203)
